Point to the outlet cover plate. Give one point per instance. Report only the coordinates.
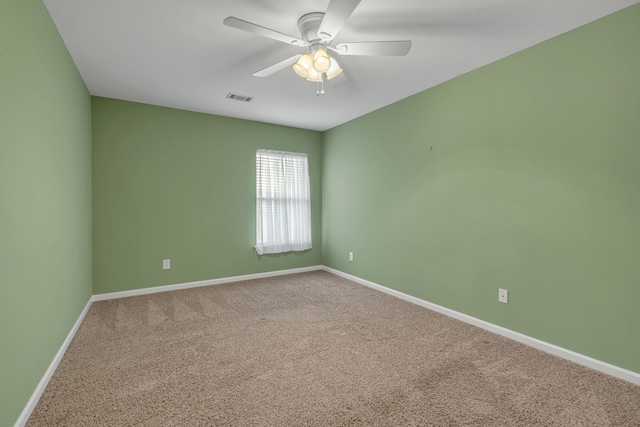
(503, 295)
(166, 264)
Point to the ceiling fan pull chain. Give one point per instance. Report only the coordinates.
(322, 87)
(317, 89)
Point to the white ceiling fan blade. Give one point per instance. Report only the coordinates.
(277, 67)
(390, 48)
(336, 15)
(261, 31)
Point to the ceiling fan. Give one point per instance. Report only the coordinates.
(317, 33)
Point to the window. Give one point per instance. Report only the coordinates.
(283, 202)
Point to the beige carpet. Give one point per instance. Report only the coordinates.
(312, 350)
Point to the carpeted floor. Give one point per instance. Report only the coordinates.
(312, 349)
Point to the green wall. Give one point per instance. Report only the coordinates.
(181, 185)
(532, 185)
(45, 199)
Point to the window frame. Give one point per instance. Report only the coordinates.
(283, 202)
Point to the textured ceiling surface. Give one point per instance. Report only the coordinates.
(180, 54)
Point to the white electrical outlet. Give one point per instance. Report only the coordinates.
(166, 264)
(350, 256)
(503, 295)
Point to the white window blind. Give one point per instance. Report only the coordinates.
(283, 202)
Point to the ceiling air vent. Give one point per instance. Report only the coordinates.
(239, 97)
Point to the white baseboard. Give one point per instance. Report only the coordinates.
(42, 385)
(615, 371)
(188, 285)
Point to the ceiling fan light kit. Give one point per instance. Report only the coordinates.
(310, 68)
(304, 64)
(314, 76)
(317, 32)
(321, 60)
(334, 70)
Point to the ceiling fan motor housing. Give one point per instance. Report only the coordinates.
(308, 25)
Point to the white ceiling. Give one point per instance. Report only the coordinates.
(178, 53)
